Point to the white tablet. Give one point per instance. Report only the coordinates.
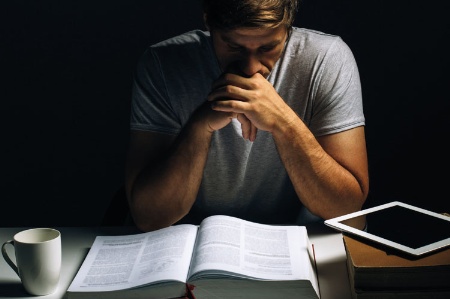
(398, 225)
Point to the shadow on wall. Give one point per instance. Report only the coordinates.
(67, 93)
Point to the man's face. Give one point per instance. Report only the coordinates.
(248, 50)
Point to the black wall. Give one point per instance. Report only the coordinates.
(66, 69)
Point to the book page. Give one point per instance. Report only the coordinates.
(246, 249)
(121, 262)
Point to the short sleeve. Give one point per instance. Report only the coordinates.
(338, 97)
(151, 108)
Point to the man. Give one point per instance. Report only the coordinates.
(253, 118)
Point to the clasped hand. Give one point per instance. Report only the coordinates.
(253, 101)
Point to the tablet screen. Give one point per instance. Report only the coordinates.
(398, 225)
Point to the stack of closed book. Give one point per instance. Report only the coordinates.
(377, 273)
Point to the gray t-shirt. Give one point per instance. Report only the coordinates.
(317, 77)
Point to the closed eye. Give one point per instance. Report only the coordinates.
(234, 48)
(266, 49)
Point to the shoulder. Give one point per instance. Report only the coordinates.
(310, 37)
(193, 39)
(320, 53)
(187, 48)
(179, 53)
(310, 42)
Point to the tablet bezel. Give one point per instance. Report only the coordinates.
(337, 224)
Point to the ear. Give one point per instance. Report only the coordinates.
(205, 21)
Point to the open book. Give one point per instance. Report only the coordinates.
(223, 257)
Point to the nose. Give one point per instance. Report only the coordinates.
(250, 65)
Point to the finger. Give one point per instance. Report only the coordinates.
(229, 106)
(253, 132)
(246, 126)
(228, 92)
(229, 79)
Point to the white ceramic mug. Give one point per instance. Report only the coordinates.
(38, 259)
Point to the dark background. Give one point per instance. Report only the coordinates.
(66, 71)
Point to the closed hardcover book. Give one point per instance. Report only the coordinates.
(377, 272)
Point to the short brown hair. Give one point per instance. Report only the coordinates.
(232, 14)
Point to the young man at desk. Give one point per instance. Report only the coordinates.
(253, 118)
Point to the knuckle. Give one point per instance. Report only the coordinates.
(229, 88)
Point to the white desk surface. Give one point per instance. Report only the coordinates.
(76, 241)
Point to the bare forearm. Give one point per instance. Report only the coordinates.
(324, 186)
(166, 189)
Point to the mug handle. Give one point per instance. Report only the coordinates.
(6, 256)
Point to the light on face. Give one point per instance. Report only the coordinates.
(249, 50)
